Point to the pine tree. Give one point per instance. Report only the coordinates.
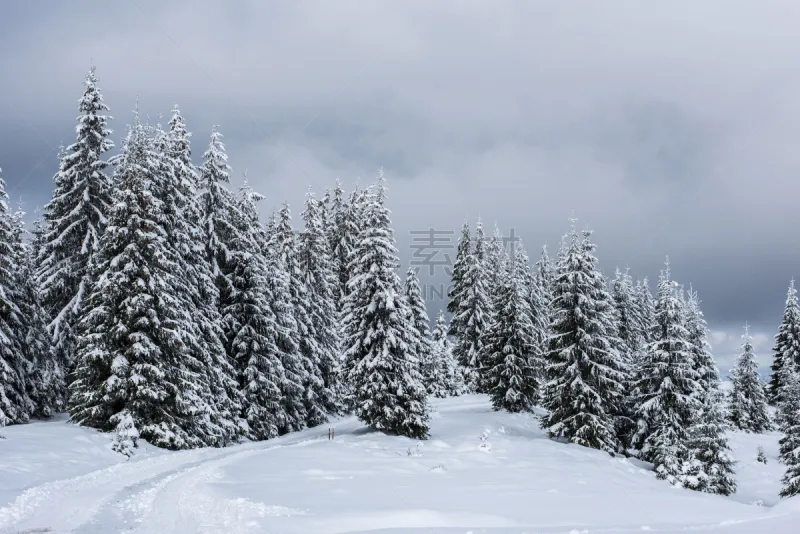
(293, 393)
(15, 404)
(321, 283)
(44, 378)
(667, 387)
(75, 219)
(388, 393)
(789, 408)
(473, 314)
(584, 371)
(317, 399)
(422, 346)
(456, 289)
(254, 345)
(510, 372)
(710, 464)
(628, 346)
(220, 213)
(787, 347)
(748, 403)
(132, 374)
(177, 188)
(496, 259)
(449, 375)
(340, 240)
(544, 271)
(702, 360)
(645, 306)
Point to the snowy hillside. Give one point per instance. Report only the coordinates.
(56, 477)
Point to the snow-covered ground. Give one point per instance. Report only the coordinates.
(56, 477)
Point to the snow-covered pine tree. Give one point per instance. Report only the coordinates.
(254, 346)
(423, 347)
(496, 260)
(317, 398)
(511, 378)
(710, 464)
(321, 282)
(75, 218)
(15, 404)
(177, 187)
(789, 409)
(44, 378)
(786, 359)
(340, 242)
(667, 387)
(646, 312)
(537, 304)
(584, 371)
(352, 224)
(473, 314)
(702, 359)
(456, 289)
(387, 388)
(747, 399)
(629, 347)
(293, 398)
(544, 270)
(449, 375)
(132, 373)
(220, 214)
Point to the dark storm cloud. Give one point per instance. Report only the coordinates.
(670, 128)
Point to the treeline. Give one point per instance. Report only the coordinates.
(614, 367)
(151, 301)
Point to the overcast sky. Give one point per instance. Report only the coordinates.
(670, 128)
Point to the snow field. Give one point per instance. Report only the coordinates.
(63, 478)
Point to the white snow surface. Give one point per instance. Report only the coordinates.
(56, 477)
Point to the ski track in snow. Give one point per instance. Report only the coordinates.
(73, 504)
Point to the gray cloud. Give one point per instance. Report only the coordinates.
(670, 129)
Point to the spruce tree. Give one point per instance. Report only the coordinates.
(584, 371)
(457, 287)
(254, 345)
(422, 347)
(75, 219)
(473, 314)
(496, 259)
(388, 393)
(44, 378)
(667, 387)
(321, 282)
(710, 464)
(293, 405)
(340, 242)
(132, 374)
(317, 398)
(220, 213)
(702, 360)
(177, 187)
(629, 347)
(544, 271)
(789, 409)
(786, 359)
(15, 403)
(449, 375)
(747, 399)
(511, 379)
(645, 306)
